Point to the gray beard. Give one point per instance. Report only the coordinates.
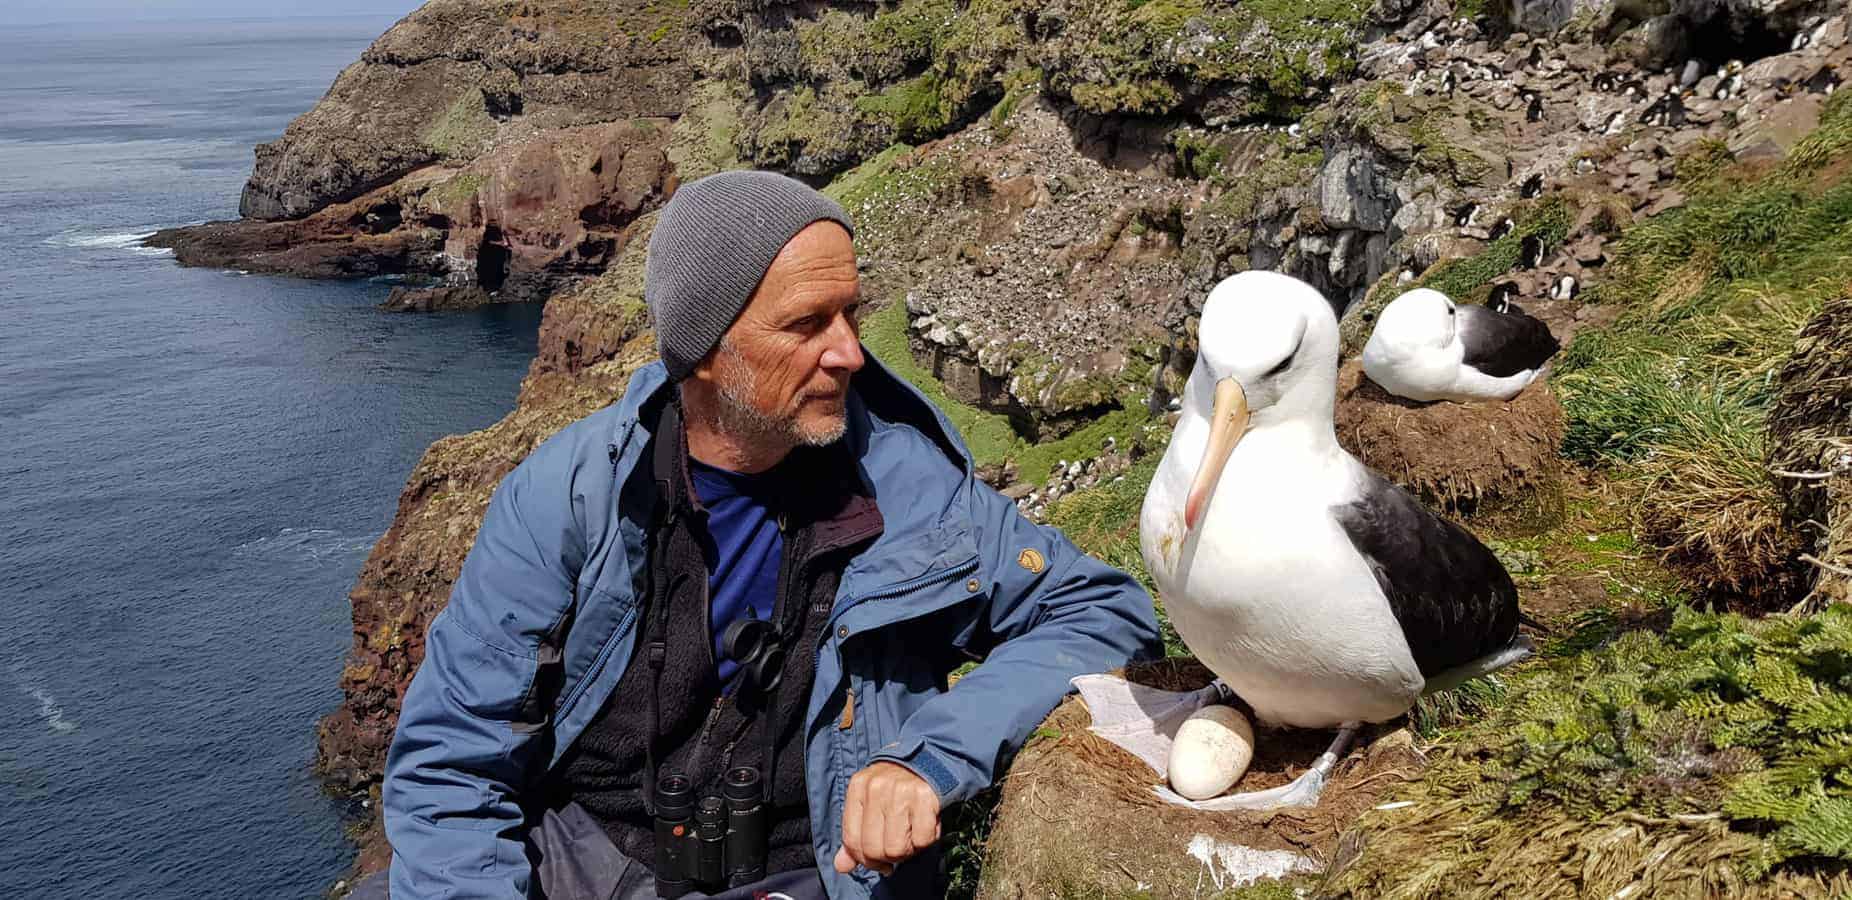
(737, 416)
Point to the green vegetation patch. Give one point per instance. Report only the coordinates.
(912, 108)
(1716, 756)
(989, 435)
(702, 140)
(1675, 395)
(462, 130)
(1133, 56)
(455, 194)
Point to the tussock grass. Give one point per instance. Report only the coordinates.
(1675, 395)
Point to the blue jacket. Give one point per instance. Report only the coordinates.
(546, 606)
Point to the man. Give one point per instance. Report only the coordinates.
(739, 588)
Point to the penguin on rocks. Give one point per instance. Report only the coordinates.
(1503, 228)
(1533, 106)
(1565, 288)
(1532, 187)
(1729, 80)
(1501, 295)
(1666, 112)
(1530, 252)
(1464, 215)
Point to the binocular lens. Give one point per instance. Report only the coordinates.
(675, 796)
(743, 783)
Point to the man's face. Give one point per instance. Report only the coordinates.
(782, 371)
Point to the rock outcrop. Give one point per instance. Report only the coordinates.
(1049, 189)
(457, 77)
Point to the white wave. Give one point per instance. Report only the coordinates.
(116, 241)
(51, 712)
(311, 544)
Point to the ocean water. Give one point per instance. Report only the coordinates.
(193, 466)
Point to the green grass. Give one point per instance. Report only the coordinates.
(460, 132)
(1675, 395)
(988, 435)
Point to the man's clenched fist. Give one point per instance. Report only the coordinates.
(889, 815)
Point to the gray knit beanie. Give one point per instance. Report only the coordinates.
(710, 249)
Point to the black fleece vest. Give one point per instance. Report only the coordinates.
(700, 733)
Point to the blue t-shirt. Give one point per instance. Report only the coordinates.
(746, 552)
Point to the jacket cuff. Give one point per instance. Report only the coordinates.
(917, 757)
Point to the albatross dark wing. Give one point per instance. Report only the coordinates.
(1452, 597)
(1501, 344)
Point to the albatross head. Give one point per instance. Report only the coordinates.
(1267, 355)
(1422, 317)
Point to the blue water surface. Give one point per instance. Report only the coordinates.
(193, 465)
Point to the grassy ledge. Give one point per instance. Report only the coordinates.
(1675, 396)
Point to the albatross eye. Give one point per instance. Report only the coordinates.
(1283, 366)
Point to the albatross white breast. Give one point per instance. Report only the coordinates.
(1318, 592)
(1426, 347)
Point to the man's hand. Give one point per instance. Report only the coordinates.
(889, 815)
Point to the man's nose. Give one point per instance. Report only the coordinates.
(844, 350)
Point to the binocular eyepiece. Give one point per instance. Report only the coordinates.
(711, 843)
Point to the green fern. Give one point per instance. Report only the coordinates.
(1718, 712)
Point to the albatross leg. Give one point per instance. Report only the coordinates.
(1304, 790)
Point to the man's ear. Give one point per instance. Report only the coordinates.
(703, 371)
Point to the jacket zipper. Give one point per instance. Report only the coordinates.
(913, 586)
(897, 590)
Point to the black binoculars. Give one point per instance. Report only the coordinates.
(758, 646)
(713, 843)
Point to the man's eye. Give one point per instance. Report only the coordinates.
(807, 323)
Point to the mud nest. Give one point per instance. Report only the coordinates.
(1810, 445)
(1464, 459)
(1078, 818)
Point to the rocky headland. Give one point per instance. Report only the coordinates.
(1046, 192)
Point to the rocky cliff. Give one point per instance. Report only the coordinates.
(1045, 194)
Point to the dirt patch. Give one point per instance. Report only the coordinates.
(1048, 840)
(1464, 459)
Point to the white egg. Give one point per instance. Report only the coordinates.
(1211, 752)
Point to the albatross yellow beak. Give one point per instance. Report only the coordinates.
(1227, 423)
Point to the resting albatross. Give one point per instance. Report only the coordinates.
(1427, 348)
(1318, 592)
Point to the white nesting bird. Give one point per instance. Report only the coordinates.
(1321, 594)
(1426, 347)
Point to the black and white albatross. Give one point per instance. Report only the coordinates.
(1426, 347)
(1318, 592)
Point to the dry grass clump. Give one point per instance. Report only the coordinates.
(1078, 819)
(1810, 452)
